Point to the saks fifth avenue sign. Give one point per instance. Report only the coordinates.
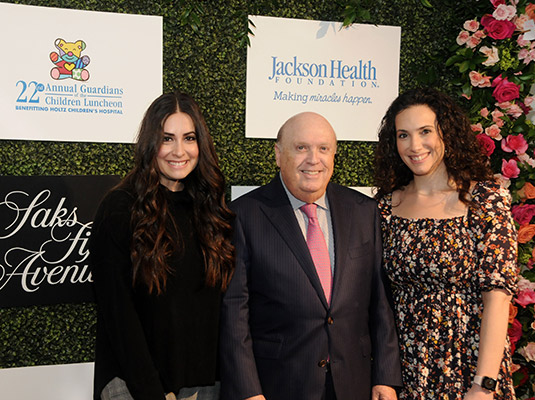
(349, 75)
(45, 225)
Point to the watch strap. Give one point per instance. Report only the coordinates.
(485, 382)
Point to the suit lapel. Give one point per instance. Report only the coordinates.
(341, 215)
(278, 210)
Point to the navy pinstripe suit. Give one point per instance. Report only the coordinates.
(276, 326)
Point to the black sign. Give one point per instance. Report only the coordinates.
(45, 224)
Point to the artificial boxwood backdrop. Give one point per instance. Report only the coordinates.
(205, 55)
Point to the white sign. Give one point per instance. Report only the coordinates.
(348, 75)
(238, 191)
(75, 75)
(50, 382)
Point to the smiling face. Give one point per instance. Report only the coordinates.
(179, 152)
(305, 155)
(418, 140)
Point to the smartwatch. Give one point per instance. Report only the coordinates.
(485, 382)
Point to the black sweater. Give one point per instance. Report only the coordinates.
(156, 343)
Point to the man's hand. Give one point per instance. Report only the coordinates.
(170, 396)
(257, 397)
(383, 392)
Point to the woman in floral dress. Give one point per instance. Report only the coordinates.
(449, 250)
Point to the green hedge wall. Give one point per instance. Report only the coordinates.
(208, 60)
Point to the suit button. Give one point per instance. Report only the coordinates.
(322, 363)
(330, 320)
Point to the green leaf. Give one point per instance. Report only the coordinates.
(453, 59)
(465, 66)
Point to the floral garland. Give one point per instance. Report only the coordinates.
(495, 55)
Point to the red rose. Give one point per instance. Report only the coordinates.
(523, 214)
(497, 29)
(496, 3)
(515, 331)
(486, 143)
(524, 375)
(505, 90)
(524, 107)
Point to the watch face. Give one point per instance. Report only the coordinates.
(488, 383)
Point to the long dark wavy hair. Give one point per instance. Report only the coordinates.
(153, 241)
(463, 157)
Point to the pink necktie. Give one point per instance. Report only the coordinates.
(318, 249)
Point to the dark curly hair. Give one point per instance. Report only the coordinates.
(152, 241)
(464, 160)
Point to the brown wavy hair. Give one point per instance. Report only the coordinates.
(463, 157)
(155, 235)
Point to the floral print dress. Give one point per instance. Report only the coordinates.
(439, 269)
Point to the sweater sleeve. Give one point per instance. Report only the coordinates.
(117, 314)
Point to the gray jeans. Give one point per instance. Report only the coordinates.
(116, 390)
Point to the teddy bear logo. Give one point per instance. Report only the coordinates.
(69, 61)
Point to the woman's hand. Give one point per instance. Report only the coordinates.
(476, 392)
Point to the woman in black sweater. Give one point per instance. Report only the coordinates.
(161, 257)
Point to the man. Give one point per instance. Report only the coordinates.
(307, 317)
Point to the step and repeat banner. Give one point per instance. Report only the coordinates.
(86, 76)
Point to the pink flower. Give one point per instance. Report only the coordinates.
(510, 169)
(486, 143)
(515, 111)
(515, 331)
(504, 90)
(504, 182)
(484, 112)
(471, 25)
(473, 41)
(497, 118)
(477, 127)
(491, 53)
(524, 158)
(479, 34)
(493, 131)
(526, 55)
(515, 143)
(528, 351)
(463, 37)
(525, 297)
(528, 100)
(523, 214)
(503, 12)
(478, 80)
(497, 29)
(525, 284)
(514, 367)
(520, 21)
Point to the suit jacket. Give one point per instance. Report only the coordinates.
(277, 329)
